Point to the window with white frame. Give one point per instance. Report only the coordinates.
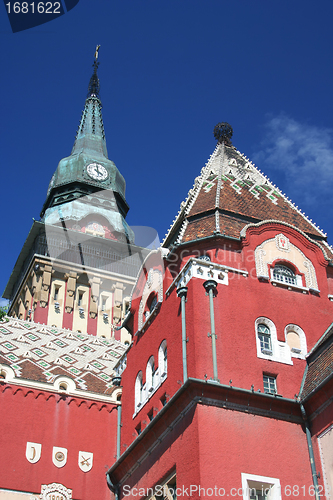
(264, 335)
(270, 384)
(155, 377)
(150, 374)
(268, 345)
(284, 274)
(138, 389)
(260, 487)
(163, 359)
(166, 490)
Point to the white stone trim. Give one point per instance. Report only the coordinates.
(208, 268)
(72, 390)
(149, 388)
(254, 481)
(263, 262)
(327, 486)
(149, 288)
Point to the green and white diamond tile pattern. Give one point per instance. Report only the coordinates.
(50, 348)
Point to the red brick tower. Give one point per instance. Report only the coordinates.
(217, 384)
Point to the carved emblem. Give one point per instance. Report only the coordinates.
(55, 491)
(59, 456)
(282, 242)
(33, 452)
(85, 461)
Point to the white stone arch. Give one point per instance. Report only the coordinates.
(162, 359)
(138, 390)
(296, 351)
(280, 248)
(272, 330)
(153, 284)
(64, 384)
(6, 373)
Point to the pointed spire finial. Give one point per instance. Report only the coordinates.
(93, 88)
(223, 133)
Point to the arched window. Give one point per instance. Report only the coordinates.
(284, 274)
(150, 374)
(152, 301)
(264, 336)
(296, 341)
(150, 305)
(138, 389)
(163, 359)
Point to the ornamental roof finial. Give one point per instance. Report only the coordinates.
(93, 88)
(223, 133)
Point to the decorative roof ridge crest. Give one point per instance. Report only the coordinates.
(276, 188)
(192, 194)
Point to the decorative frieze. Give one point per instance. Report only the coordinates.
(55, 491)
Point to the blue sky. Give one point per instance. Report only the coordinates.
(169, 71)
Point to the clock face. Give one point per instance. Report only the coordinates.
(97, 172)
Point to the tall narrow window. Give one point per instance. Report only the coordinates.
(265, 339)
(163, 359)
(153, 371)
(80, 299)
(153, 303)
(138, 389)
(103, 303)
(150, 374)
(56, 293)
(270, 384)
(284, 274)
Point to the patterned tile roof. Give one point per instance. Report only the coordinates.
(320, 363)
(40, 353)
(230, 193)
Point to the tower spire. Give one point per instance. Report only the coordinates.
(93, 88)
(90, 136)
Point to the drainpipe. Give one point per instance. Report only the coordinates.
(182, 293)
(311, 455)
(210, 287)
(118, 430)
(116, 381)
(112, 487)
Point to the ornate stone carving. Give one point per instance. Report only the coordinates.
(55, 490)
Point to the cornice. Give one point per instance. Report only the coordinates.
(195, 392)
(48, 394)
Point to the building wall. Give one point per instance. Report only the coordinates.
(238, 305)
(211, 447)
(55, 420)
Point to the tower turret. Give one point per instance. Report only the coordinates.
(87, 188)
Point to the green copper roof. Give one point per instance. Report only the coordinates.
(73, 179)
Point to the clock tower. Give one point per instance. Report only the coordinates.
(79, 263)
(87, 191)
